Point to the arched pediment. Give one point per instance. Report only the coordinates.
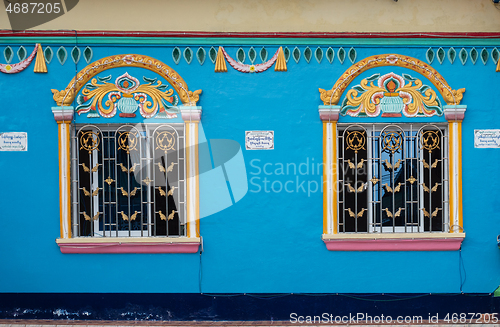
(66, 96)
(332, 97)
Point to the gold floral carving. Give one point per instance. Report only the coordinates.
(332, 97)
(65, 97)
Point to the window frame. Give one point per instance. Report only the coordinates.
(329, 113)
(373, 144)
(147, 169)
(190, 112)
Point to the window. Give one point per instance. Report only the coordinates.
(128, 181)
(128, 161)
(392, 158)
(392, 178)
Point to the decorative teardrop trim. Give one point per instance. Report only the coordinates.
(307, 54)
(440, 55)
(201, 54)
(330, 55)
(75, 54)
(188, 55)
(88, 54)
(286, 53)
(19, 67)
(21, 53)
(473, 55)
(318, 54)
(8, 54)
(462, 55)
(212, 54)
(240, 55)
(495, 54)
(452, 54)
(352, 55)
(48, 54)
(176, 55)
(429, 55)
(263, 55)
(341, 55)
(62, 55)
(484, 56)
(296, 54)
(252, 55)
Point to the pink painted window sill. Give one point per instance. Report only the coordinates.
(394, 242)
(129, 245)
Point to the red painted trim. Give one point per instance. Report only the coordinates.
(422, 35)
(113, 247)
(450, 244)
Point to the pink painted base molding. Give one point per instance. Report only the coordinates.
(432, 244)
(125, 247)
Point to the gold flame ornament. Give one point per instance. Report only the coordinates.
(280, 62)
(220, 62)
(40, 66)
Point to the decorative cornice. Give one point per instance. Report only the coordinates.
(63, 114)
(160, 34)
(329, 113)
(455, 113)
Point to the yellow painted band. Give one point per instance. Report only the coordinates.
(459, 138)
(334, 176)
(325, 181)
(450, 177)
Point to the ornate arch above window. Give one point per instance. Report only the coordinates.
(392, 168)
(128, 183)
(65, 97)
(332, 97)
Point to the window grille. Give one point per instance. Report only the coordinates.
(128, 180)
(393, 178)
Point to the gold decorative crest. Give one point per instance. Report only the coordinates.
(165, 141)
(356, 141)
(126, 142)
(430, 140)
(89, 141)
(391, 142)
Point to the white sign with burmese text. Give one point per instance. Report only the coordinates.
(259, 140)
(487, 138)
(14, 141)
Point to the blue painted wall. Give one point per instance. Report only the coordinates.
(268, 242)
